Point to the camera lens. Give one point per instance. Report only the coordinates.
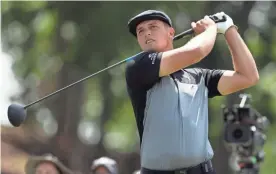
(237, 133)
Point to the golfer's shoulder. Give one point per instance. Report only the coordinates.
(142, 62)
(142, 58)
(143, 69)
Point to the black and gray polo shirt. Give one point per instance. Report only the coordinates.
(171, 112)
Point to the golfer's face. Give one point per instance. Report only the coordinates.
(46, 168)
(153, 35)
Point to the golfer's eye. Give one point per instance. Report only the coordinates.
(153, 27)
(140, 31)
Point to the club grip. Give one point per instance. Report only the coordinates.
(191, 31)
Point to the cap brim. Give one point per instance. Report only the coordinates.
(132, 24)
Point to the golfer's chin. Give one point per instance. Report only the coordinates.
(152, 48)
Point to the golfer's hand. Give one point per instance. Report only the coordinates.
(201, 25)
(224, 26)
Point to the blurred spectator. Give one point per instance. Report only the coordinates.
(136, 172)
(46, 164)
(104, 165)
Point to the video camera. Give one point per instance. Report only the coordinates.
(244, 133)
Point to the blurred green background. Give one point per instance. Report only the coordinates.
(52, 44)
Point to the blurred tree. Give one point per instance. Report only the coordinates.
(57, 43)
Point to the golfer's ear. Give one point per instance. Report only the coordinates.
(172, 32)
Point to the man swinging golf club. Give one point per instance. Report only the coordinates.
(170, 101)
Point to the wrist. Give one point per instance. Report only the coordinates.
(212, 28)
(231, 30)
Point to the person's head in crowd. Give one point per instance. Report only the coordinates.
(45, 164)
(136, 172)
(104, 165)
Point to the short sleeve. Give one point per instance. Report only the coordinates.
(142, 71)
(212, 78)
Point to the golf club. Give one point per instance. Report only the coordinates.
(17, 112)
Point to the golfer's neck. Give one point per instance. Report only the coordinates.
(169, 47)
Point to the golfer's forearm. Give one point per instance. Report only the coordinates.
(242, 58)
(189, 54)
(204, 41)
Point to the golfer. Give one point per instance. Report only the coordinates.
(170, 100)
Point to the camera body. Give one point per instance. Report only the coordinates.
(244, 130)
(244, 133)
(237, 128)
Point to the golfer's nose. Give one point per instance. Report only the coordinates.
(148, 32)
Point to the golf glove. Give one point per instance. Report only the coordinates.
(224, 26)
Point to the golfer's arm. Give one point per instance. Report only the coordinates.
(245, 72)
(192, 52)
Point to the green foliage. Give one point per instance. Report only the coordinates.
(268, 166)
(124, 124)
(92, 35)
(216, 117)
(255, 42)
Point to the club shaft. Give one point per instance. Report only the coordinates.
(79, 81)
(177, 37)
(183, 34)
